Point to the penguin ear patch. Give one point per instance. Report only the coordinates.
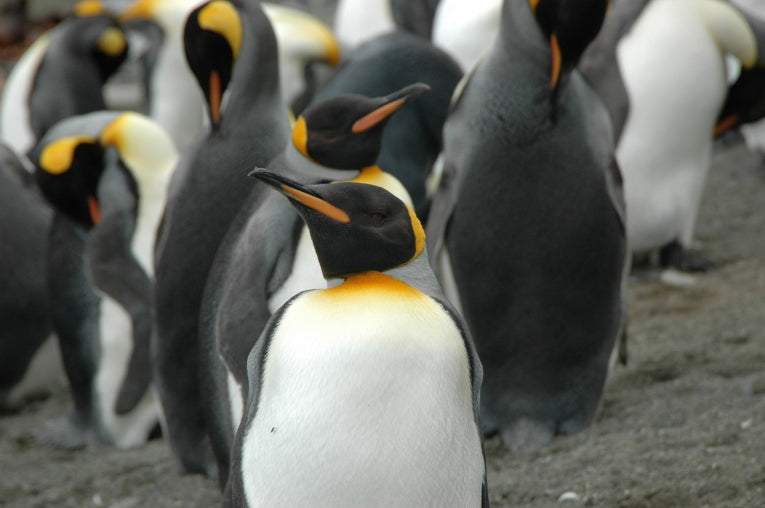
(87, 8)
(300, 136)
(56, 158)
(419, 233)
(221, 17)
(112, 42)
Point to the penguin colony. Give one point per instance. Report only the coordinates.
(244, 269)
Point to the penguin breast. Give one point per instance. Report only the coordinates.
(365, 395)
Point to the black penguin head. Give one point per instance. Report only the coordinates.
(74, 157)
(345, 132)
(67, 173)
(355, 227)
(212, 40)
(570, 26)
(745, 101)
(99, 35)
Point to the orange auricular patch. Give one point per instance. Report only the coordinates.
(300, 136)
(57, 157)
(318, 204)
(369, 120)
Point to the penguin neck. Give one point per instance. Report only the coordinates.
(370, 281)
(374, 175)
(255, 79)
(152, 194)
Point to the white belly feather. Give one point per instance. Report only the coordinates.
(364, 403)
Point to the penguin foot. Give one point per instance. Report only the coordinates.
(525, 436)
(64, 432)
(673, 255)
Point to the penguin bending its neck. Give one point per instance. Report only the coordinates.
(106, 174)
(527, 230)
(232, 51)
(365, 392)
(267, 256)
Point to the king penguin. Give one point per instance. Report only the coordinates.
(673, 66)
(106, 174)
(365, 392)
(413, 138)
(267, 256)
(29, 361)
(527, 226)
(61, 74)
(231, 49)
(176, 100)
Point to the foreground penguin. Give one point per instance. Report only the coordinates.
(527, 228)
(267, 256)
(106, 174)
(673, 66)
(61, 74)
(365, 392)
(232, 51)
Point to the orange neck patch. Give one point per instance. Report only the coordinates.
(372, 281)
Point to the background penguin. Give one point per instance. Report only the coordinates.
(366, 392)
(176, 100)
(106, 174)
(29, 360)
(231, 49)
(676, 78)
(413, 138)
(530, 217)
(60, 75)
(267, 256)
(358, 21)
(599, 65)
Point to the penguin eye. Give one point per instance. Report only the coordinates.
(377, 218)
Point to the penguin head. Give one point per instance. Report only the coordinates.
(355, 227)
(212, 40)
(74, 156)
(345, 132)
(100, 36)
(68, 171)
(569, 26)
(745, 102)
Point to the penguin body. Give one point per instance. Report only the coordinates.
(675, 75)
(231, 50)
(413, 138)
(106, 174)
(373, 381)
(29, 361)
(267, 255)
(529, 221)
(61, 75)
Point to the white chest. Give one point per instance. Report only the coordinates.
(364, 403)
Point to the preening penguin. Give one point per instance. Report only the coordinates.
(366, 392)
(61, 74)
(106, 175)
(267, 256)
(231, 50)
(526, 231)
(673, 66)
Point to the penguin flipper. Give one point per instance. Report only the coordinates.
(116, 273)
(441, 209)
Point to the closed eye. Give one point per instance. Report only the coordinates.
(377, 218)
